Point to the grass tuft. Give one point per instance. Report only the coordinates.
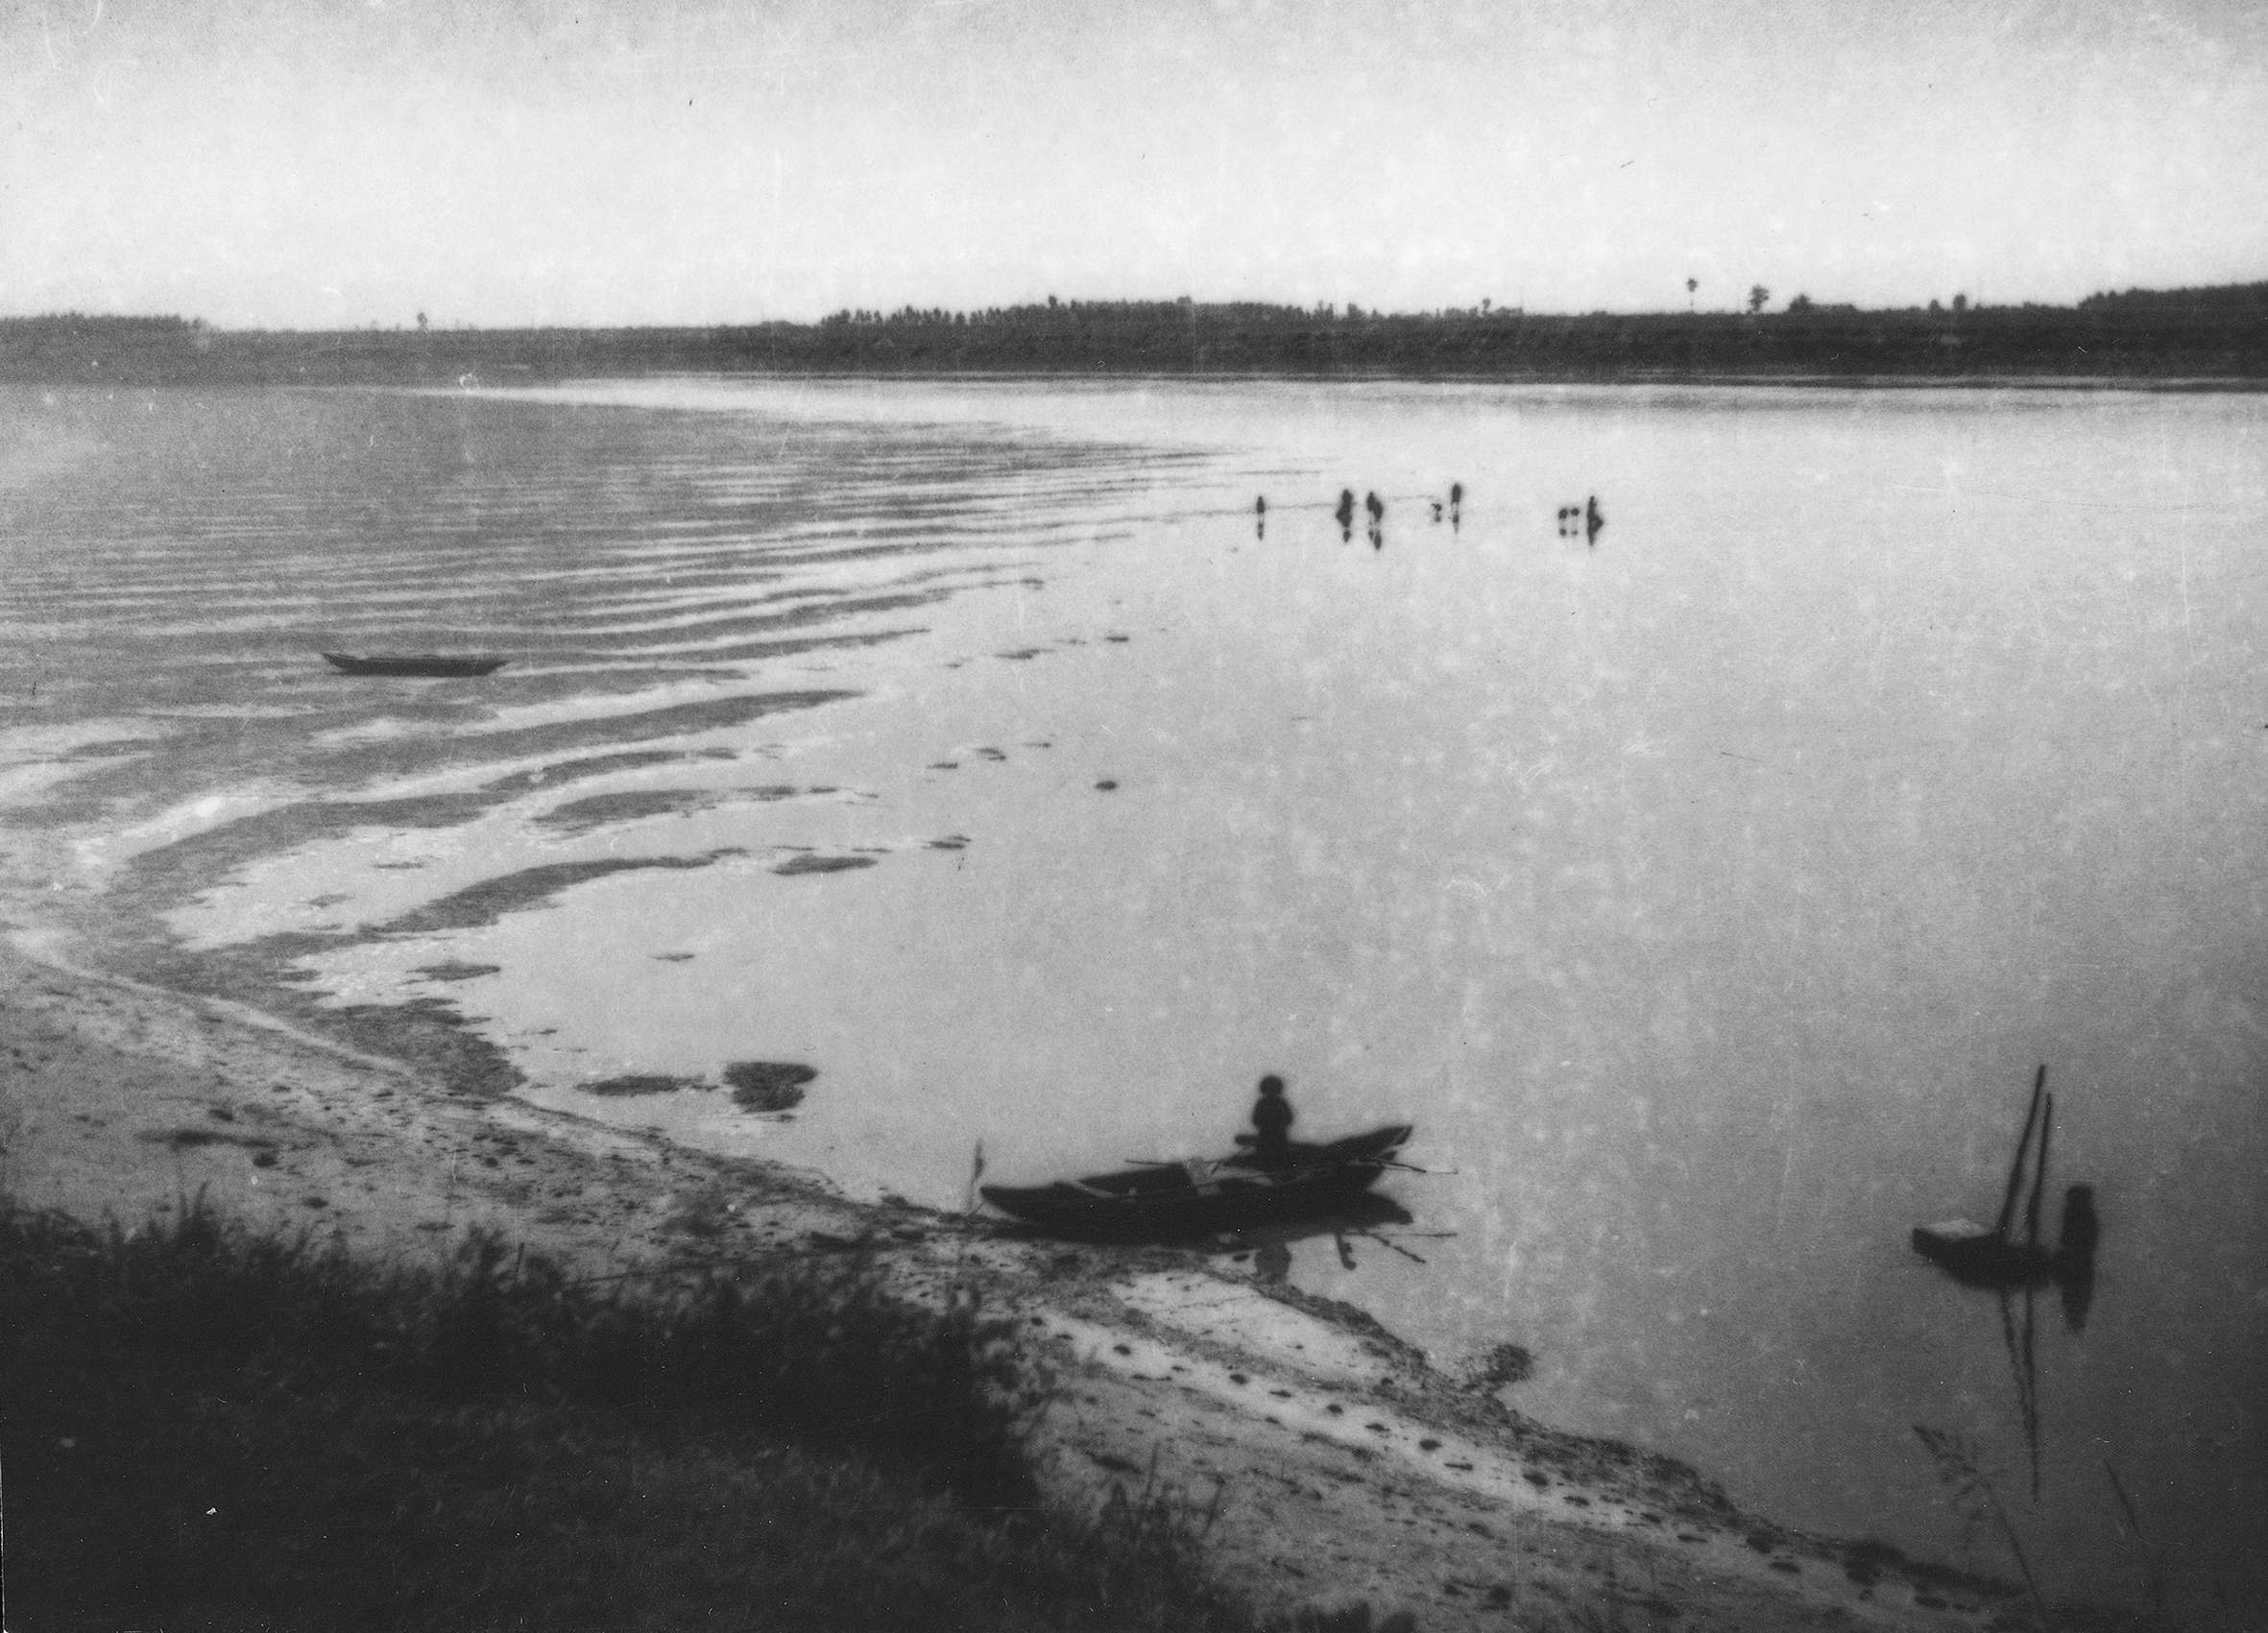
(205, 1427)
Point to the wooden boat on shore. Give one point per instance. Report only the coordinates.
(429, 664)
(1201, 1196)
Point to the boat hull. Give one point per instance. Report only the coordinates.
(1979, 1255)
(413, 663)
(1199, 1198)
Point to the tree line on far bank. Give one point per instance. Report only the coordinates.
(2211, 334)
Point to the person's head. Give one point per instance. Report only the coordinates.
(1272, 1085)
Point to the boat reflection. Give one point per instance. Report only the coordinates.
(1270, 1245)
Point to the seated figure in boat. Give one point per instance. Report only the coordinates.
(1271, 1122)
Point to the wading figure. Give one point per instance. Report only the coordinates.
(1376, 505)
(1456, 502)
(1345, 514)
(1260, 516)
(1271, 1124)
(1592, 521)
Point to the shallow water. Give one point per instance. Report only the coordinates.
(1707, 893)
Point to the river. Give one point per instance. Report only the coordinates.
(1709, 887)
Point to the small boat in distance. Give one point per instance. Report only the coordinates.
(413, 663)
(1995, 1256)
(1165, 1201)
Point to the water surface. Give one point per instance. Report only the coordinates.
(1708, 892)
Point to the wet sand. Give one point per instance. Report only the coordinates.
(1344, 1467)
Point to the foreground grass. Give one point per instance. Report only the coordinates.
(205, 1428)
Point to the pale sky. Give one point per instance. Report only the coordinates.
(317, 163)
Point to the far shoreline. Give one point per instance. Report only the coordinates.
(2204, 340)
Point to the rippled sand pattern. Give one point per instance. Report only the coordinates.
(661, 584)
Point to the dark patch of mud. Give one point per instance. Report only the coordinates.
(190, 1138)
(428, 1033)
(1497, 1366)
(432, 1035)
(426, 753)
(601, 765)
(178, 870)
(639, 1083)
(602, 810)
(637, 804)
(822, 864)
(453, 970)
(486, 902)
(758, 651)
(767, 1085)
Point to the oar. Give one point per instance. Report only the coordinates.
(2047, 1125)
(2016, 1170)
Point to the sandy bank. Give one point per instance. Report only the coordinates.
(1344, 1467)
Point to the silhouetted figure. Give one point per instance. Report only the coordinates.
(1376, 505)
(1455, 506)
(1260, 516)
(1345, 514)
(1271, 1124)
(1592, 521)
(1567, 519)
(1436, 510)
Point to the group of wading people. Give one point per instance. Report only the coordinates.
(1575, 520)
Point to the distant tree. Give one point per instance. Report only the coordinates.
(1758, 295)
(1934, 306)
(420, 323)
(1960, 302)
(1801, 303)
(1486, 303)
(1691, 285)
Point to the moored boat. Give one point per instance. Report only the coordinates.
(1203, 1195)
(430, 663)
(1982, 1256)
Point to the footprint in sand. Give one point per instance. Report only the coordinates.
(817, 864)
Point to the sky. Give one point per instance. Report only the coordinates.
(338, 163)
